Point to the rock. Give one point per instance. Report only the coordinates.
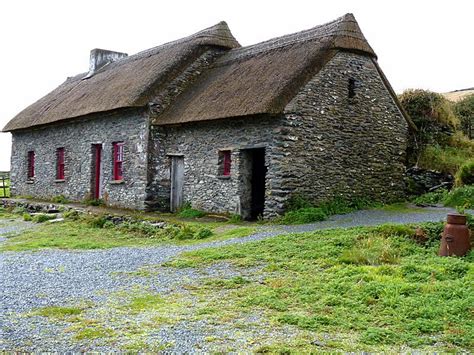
(420, 181)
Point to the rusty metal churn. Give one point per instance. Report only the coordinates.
(455, 237)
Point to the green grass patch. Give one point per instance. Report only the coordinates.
(461, 197)
(376, 286)
(58, 312)
(95, 232)
(445, 158)
(94, 332)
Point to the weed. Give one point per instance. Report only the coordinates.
(27, 217)
(94, 202)
(191, 213)
(235, 218)
(304, 215)
(43, 217)
(431, 198)
(60, 199)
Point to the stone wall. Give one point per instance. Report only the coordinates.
(200, 143)
(337, 146)
(77, 138)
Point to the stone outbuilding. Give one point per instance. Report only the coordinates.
(229, 129)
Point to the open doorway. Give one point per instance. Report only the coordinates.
(253, 172)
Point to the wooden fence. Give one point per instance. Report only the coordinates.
(4, 184)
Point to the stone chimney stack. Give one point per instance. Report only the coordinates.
(100, 58)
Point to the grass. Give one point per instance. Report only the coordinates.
(6, 192)
(81, 234)
(460, 197)
(58, 312)
(371, 289)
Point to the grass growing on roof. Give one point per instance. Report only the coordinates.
(376, 286)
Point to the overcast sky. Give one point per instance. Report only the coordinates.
(420, 44)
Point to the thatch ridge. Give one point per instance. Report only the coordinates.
(124, 83)
(264, 77)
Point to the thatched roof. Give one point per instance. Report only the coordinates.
(264, 77)
(128, 82)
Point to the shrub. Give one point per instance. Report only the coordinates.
(461, 197)
(446, 159)
(465, 111)
(465, 174)
(59, 199)
(43, 217)
(304, 215)
(27, 217)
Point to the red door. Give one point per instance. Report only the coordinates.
(97, 156)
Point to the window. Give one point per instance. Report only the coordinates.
(118, 161)
(60, 164)
(225, 162)
(31, 165)
(351, 88)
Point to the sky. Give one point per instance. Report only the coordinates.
(420, 44)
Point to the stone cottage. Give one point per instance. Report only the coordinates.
(224, 127)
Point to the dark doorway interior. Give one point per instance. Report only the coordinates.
(253, 172)
(96, 170)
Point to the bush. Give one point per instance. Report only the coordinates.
(461, 197)
(465, 111)
(465, 174)
(43, 217)
(27, 217)
(59, 199)
(304, 215)
(446, 159)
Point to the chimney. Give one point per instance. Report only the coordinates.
(100, 58)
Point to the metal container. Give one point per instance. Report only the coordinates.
(455, 239)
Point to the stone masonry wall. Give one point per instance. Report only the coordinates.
(337, 146)
(77, 138)
(200, 143)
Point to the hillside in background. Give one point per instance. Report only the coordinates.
(458, 95)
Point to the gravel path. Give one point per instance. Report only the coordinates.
(53, 277)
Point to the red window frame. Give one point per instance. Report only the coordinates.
(118, 160)
(226, 162)
(31, 164)
(60, 163)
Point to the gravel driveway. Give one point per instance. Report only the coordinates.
(30, 280)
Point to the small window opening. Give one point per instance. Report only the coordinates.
(31, 165)
(60, 163)
(351, 88)
(225, 162)
(118, 160)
